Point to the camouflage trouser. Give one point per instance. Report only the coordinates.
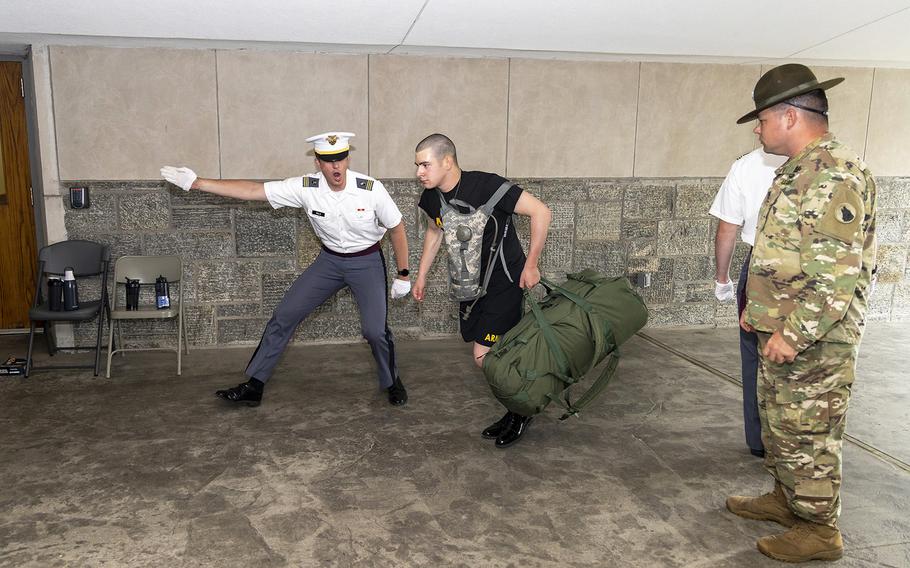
(803, 410)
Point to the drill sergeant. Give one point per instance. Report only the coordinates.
(808, 288)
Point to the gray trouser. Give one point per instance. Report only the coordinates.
(366, 275)
(748, 351)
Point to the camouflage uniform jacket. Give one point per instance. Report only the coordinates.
(815, 248)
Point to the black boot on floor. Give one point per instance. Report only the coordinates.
(248, 393)
(397, 393)
(514, 430)
(497, 428)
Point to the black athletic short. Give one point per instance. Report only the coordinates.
(492, 316)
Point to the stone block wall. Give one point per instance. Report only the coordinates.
(240, 257)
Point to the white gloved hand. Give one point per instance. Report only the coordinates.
(724, 292)
(400, 288)
(181, 177)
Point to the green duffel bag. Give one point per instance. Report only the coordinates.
(564, 336)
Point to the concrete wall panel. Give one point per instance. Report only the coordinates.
(269, 103)
(889, 123)
(571, 118)
(849, 104)
(412, 97)
(123, 113)
(687, 118)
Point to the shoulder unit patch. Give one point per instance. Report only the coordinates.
(844, 216)
(310, 181)
(363, 183)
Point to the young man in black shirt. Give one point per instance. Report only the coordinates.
(501, 308)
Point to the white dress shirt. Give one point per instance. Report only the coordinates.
(744, 189)
(345, 221)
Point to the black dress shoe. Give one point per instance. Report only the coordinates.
(757, 453)
(244, 393)
(397, 393)
(496, 428)
(514, 430)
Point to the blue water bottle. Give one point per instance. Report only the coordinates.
(162, 293)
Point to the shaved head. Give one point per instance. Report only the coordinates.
(440, 145)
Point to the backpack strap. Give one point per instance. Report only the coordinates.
(443, 204)
(496, 197)
(464, 204)
(502, 252)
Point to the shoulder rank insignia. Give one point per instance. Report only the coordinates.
(363, 183)
(310, 181)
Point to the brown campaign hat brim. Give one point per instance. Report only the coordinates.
(789, 94)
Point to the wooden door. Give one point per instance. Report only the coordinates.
(18, 251)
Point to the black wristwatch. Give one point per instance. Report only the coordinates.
(404, 272)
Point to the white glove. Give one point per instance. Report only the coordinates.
(400, 288)
(724, 292)
(181, 177)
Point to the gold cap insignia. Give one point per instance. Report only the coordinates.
(332, 139)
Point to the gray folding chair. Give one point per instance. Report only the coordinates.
(147, 269)
(87, 259)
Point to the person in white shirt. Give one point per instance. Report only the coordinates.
(350, 212)
(736, 205)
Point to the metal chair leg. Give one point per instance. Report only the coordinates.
(50, 338)
(120, 337)
(110, 348)
(31, 342)
(186, 338)
(179, 342)
(98, 341)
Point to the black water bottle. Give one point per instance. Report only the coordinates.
(70, 291)
(162, 293)
(55, 294)
(132, 294)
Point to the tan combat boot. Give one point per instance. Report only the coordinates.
(805, 541)
(769, 507)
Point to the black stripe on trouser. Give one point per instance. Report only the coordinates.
(253, 356)
(388, 332)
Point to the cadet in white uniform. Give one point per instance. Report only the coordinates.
(737, 204)
(350, 213)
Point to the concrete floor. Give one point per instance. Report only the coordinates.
(150, 469)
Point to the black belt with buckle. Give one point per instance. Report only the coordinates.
(369, 250)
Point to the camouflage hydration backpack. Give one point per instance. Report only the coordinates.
(463, 234)
(561, 339)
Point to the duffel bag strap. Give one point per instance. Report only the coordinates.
(547, 330)
(595, 389)
(573, 297)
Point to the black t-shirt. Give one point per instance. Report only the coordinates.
(476, 188)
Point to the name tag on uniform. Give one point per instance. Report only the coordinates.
(318, 213)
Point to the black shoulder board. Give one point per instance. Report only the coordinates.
(310, 181)
(363, 183)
